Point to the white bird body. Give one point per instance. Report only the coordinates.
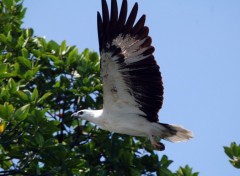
(132, 82)
(133, 125)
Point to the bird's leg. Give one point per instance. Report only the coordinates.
(157, 145)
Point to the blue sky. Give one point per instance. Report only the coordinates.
(197, 45)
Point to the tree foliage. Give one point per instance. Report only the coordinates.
(41, 84)
(233, 152)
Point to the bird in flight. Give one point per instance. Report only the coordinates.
(132, 82)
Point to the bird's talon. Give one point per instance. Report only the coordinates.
(160, 146)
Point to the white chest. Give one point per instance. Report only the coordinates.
(125, 124)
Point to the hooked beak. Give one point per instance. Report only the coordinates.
(74, 115)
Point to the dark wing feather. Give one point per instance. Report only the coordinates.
(129, 47)
(131, 18)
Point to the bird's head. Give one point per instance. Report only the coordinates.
(87, 114)
(83, 114)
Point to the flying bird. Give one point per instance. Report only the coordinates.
(132, 82)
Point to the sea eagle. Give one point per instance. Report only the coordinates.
(132, 82)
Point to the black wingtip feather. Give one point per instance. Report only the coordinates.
(139, 25)
(143, 33)
(114, 15)
(122, 16)
(131, 18)
(105, 19)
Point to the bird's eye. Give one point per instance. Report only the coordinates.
(80, 113)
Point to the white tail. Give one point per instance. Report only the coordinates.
(172, 133)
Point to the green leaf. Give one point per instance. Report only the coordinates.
(63, 47)
(165, 162)
(34, 96)
(4, 92)
(3, 38)
(57, 62)
(228, 151)
(53, 46)
(20, 42)
(94, 57)
(44, 97)
(29, 75)
(6, 110)
(25, 52)
(37, 117)
(85, 81)
(23, 96)
(36, 53)
(72, 57)
(22, 112)
(9, 37)
(29, 32)
(11, 86)
(39, 139)
(3, 68)
(83, 66)
(24, 61)
(234, 148)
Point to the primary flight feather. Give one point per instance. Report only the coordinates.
(132, 82)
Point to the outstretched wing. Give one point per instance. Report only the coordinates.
(131, 78)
